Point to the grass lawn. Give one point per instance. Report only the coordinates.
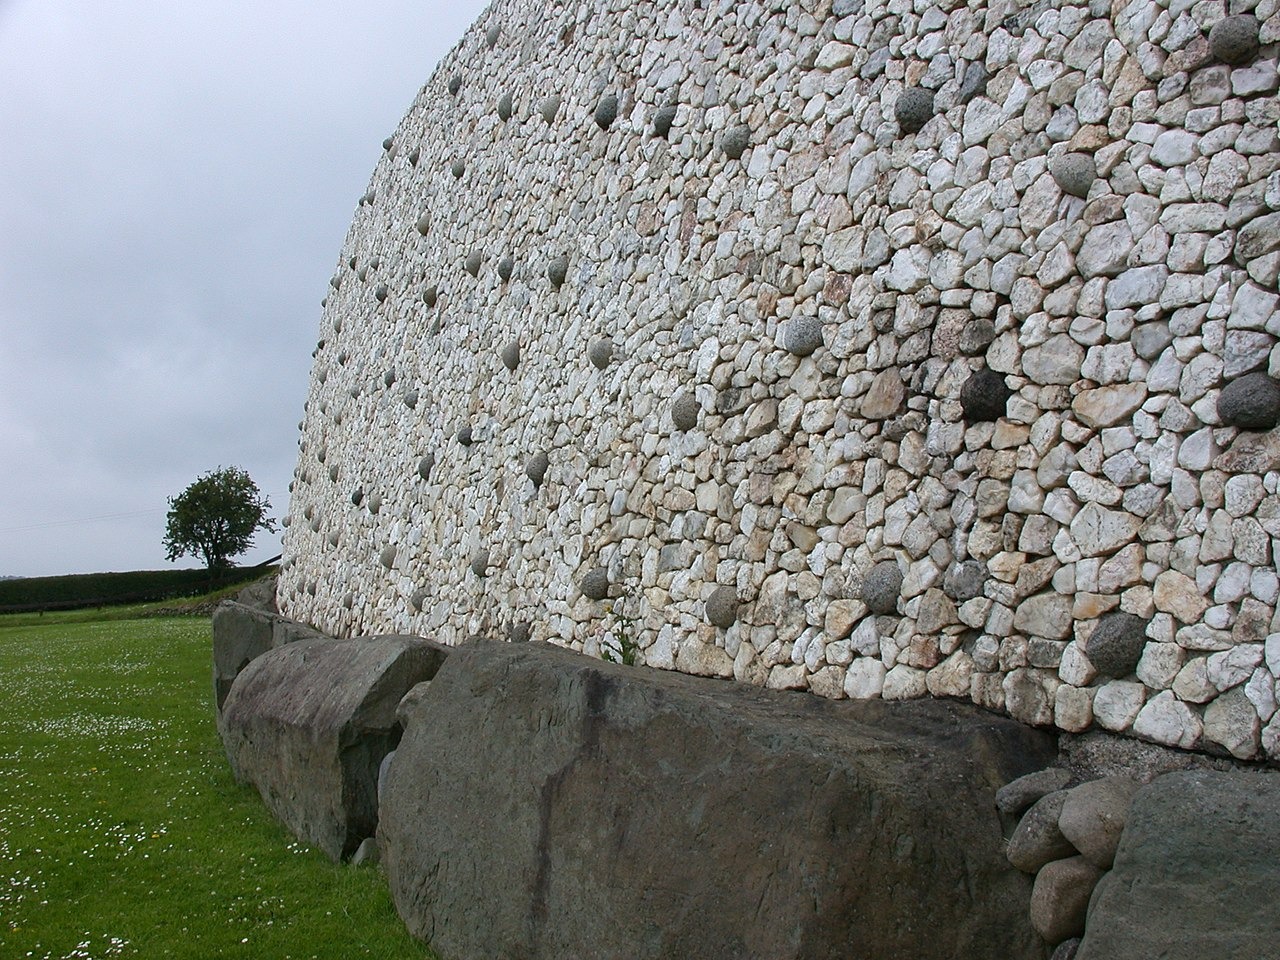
(122, 833)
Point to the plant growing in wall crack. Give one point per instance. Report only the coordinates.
(619, 643)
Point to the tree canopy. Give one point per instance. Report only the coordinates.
(216, 517)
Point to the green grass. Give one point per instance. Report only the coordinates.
(122, 832)
(129, 611)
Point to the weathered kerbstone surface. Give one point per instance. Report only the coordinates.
(544, 805)
(1196, 872)
(242, 632)
(309, 723)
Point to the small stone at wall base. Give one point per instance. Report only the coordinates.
(1017, 795)
(1038, 839)
(1093, 817)
(1060, 898)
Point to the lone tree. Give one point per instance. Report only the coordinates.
(216, 518)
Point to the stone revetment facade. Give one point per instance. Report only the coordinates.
(864, 347)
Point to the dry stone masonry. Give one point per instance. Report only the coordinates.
(865, 347)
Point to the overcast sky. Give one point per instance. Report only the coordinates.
(176, 179)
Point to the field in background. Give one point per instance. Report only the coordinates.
(122, 833)
(80, 590)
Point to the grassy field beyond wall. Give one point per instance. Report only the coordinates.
(122, 832)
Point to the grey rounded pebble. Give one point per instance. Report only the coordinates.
(548, 108)
(882, 588)
(557, 270)
(685, 410)
(411, 399)
(663, 119)
(1115, 646)
(506, 266)
(426, 465)
(973, 83)
(334, 538)
(536, 469)
(375, 503)
(984, 396)
(965, 580)
(914, 109)
(388, 143)
(335, 281)
(1016, 795)
(472, 263)
(802, 336)
(595, 585)
(504, 107)
(388, 557)
(419, 598)
(600, 352)
(1067, 949)
(423, 225)
(520, 632)
(1251, 402)
(1074, 173)
(362, 274)
(722, 607)
(429, 296)
(389, 377)
(414, 155)
(455, 84)
(511, 355)
(480, 563)
(734, 141)
(358, 497)
(465, 436)
(976, 336)
(458, 168)
(333, 473)
(492, 34)
(606, 112)
(1234, 40)
(380, 292)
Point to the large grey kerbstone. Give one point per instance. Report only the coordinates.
(1196, 872)
(309, 723)
(547, 805)
(244, 632)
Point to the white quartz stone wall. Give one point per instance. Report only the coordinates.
(1080, 199)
